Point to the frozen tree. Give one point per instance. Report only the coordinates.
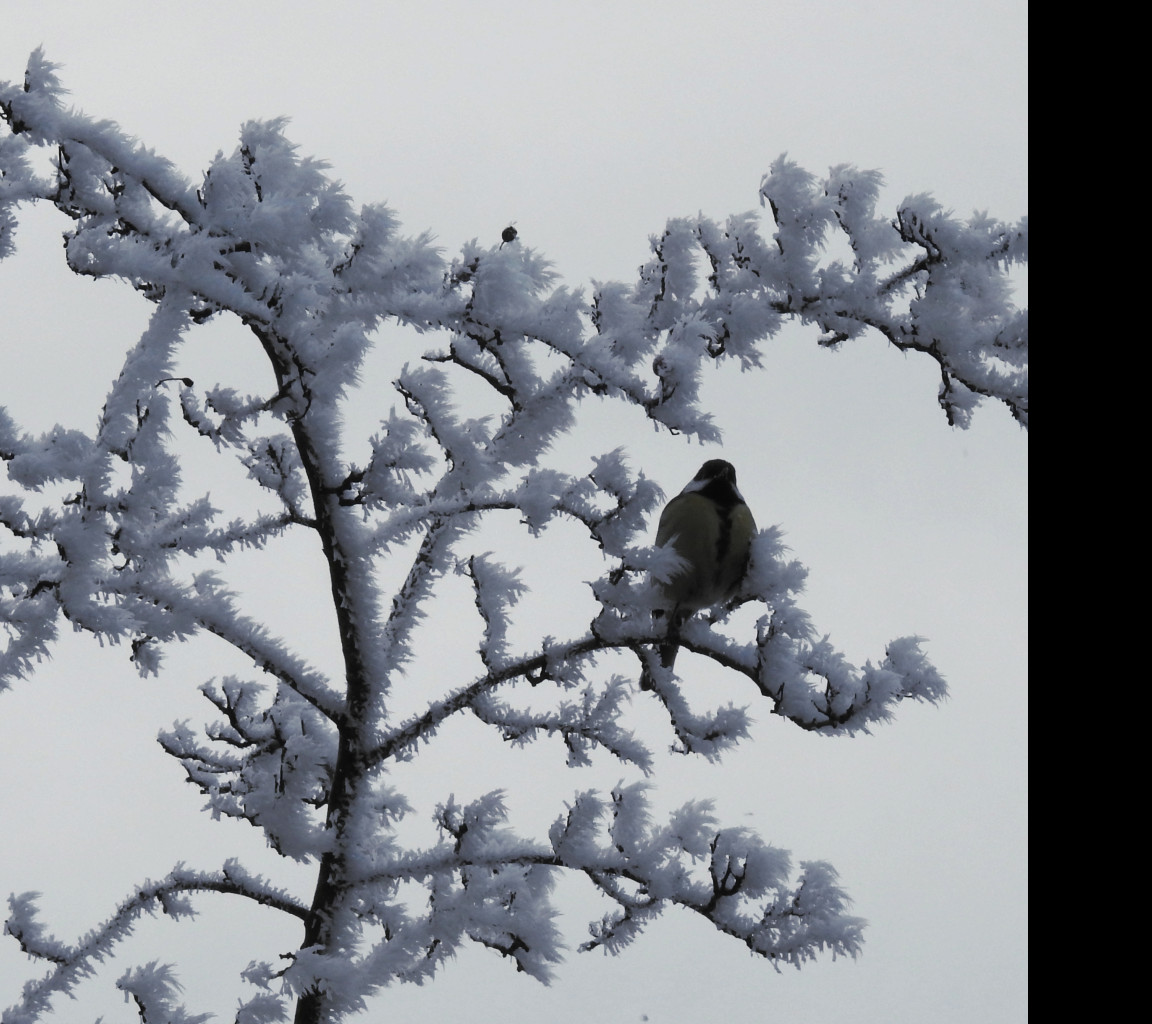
(101, 530)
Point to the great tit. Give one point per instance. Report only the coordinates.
(710, 527)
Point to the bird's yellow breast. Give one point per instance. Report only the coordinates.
(713, 543)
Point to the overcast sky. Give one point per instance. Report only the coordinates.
(588, 126)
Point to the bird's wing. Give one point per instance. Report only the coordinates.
(742, 529)
(691, 526)
(690, 517)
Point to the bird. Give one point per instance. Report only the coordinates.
(709, 525)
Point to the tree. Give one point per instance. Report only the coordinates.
(120, 547)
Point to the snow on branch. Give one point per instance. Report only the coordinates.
(71, 964)
(729, 876)
(207, 604)
(926, 281)
(589, 722)
(156, 991)
(269, 761)
(807, 681)
(484, 883)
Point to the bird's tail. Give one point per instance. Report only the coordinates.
(671, 645)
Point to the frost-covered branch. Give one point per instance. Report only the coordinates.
(484, 883)
(271, 762)
(726, 875)
(73, 963)
(590, 722)
(210, 606)
(806, 680)
(546, 664)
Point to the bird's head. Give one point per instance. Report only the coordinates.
(716, 478)
(717, 469)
